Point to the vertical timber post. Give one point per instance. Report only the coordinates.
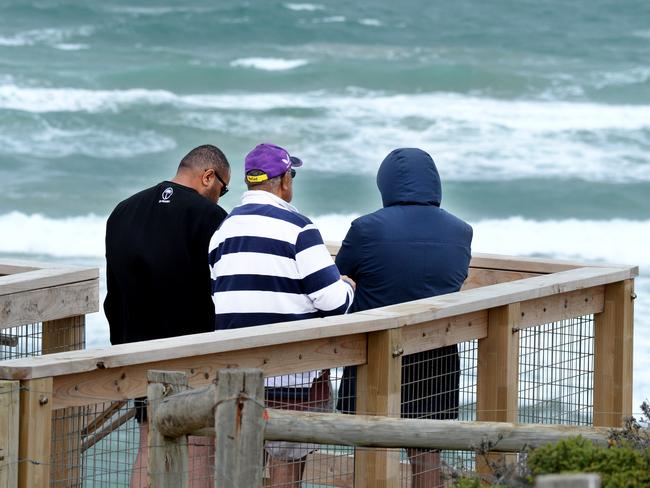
(35, 437)
(498, 372)
(379, 393)
(239, 426)
(9, 419)
(168, 457)
(613, 355)
(62, 335)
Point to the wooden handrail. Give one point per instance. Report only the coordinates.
(395, 316)
(37, 292)
(503, 262)
(27, 278)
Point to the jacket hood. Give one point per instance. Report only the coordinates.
(409, 176)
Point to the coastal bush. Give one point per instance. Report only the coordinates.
(623, 463)
(620, 465)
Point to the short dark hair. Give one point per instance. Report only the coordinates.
(203, 157)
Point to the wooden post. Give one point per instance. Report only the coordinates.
(498, 372)
(59, 336)
(613, 355)
(35, 433)
(63, 335)
(379, 393)
(239, 425)
(9, 423)
(168, 457)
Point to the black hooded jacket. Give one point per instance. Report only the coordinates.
(411, 248)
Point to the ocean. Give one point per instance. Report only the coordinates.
(537, 114)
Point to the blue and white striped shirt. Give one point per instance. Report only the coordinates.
(269, 264)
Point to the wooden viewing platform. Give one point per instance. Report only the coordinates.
(502, 299)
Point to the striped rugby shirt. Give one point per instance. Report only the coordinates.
(269, 264)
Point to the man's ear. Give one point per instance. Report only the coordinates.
(285, 181)
(205, 178)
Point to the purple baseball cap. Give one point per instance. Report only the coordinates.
(271, 159)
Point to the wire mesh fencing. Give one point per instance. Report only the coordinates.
(22, 341)
(42, 338)
(104, 444)
(556, 372)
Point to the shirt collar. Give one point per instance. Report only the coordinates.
(265, 197)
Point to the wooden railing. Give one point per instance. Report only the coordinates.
(42, 311)
(502, 297)
(233, 408)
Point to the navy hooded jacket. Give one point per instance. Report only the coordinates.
(411, 248)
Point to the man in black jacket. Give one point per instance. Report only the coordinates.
(407, 250)
(157, 273)
(157, 270)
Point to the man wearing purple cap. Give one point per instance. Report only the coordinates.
(269, 264)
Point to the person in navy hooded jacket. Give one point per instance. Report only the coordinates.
(408, 250)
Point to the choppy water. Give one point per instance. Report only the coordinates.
(537, 114)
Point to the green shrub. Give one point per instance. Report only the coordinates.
(620, 465)
(624, 463)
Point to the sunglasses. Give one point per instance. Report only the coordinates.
(224, 187)
(293, 173)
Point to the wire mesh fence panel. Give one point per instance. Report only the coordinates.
(21, 341)
(105, 446)
(438, 384)
(317, 465)
(556, 372)
(95, 446)
(42, 338)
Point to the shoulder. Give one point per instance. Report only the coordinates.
(133, 201)
(457, 224)
(271, 212)
(367, 223)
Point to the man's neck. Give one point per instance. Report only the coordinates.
(280, 201)
(184, 180)
(275, 192)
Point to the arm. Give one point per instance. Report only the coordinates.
(320, 278)
(349, 256)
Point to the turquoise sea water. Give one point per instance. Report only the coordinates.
(537, 114)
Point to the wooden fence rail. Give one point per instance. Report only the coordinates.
(231, 409)
(502, 297)
(42, 311)
(192, 412)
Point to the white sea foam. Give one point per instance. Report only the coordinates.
(615, 241)
(304, 7)
(633, 76)
(469, 136)
(51, 142)
(48, 36)
(70, 47)
(269, 64)
(334, 19)
(36, 234)
(532, 116)
(371, 22)
(42, 100)
(153, 11)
